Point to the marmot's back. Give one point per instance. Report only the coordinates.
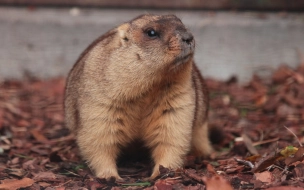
(138, 81)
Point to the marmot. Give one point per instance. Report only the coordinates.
(138, 81)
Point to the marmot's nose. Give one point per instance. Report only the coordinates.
(187, 37)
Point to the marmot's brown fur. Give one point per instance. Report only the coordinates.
(138, 81)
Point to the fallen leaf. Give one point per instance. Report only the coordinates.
(266, 161)
(269, 160)
(38, 136)
(298, 156)
(216, 183)
(284, 110)
(234, 169)
(298, 77)
(257, 183)
(16, 172)
(40, 149)
(162, 184)
(265, 177)
(44, 184)
(46, 176)
(193, 175)
(281, 74)
(253, 158)
(261, 100)
(23, 123)
(210, 169)
(289, 150)
(13, 184)
(299, 170)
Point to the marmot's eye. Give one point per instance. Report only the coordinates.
(151, 33)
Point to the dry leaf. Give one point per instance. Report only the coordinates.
(44, 184)
(48, 176)
(192, 174)
(40, 149)
(253, 158)
(289, 150)
(298, 156)
(299, 170)
(217, 183)
(267, 161)
(162, 184)
(13, 184)
(23, 123)
(298, 77)
(210, 169)
(16, 172)
(281, 74)
(261, 100)
(38, 135)
(265, 177)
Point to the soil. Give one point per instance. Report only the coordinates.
(257, 130)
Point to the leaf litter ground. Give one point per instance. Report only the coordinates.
(257, 130)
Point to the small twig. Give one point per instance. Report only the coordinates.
(175, 178)
(73, 173)
(23, 156)
(274, 166)
(280, 168)
(265, 141)
(63, 183)
(285, 170)
(294, 136)
(62, 139)
(170, 173)
(84, 177)
(244, 162)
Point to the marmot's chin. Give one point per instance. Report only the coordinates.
(183, 59)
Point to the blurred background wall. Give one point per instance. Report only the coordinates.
(43, 38)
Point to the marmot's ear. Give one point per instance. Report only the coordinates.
(123, 33)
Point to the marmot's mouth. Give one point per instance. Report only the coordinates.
(183, 59)
(187, 56)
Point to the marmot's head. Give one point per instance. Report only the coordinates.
(150, 49)
(157, 41)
